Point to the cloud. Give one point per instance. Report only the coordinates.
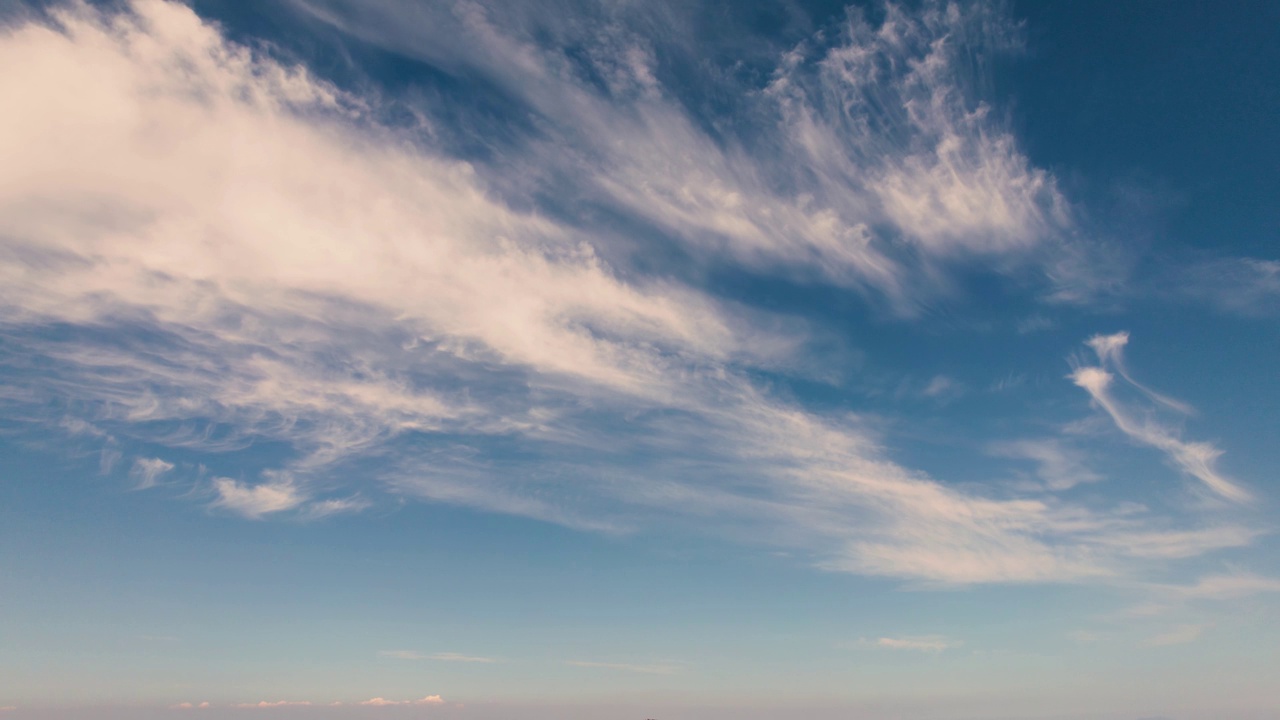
(381, 702)
(1225, 587)
(1246, 286)
(275, 704)
(455, 657)
(941, 386)
(1195, 458)
(190, 706)
(1179, 635)
(926, 643)
(866, 134)
(238, 254)
(335, 506)
(626, 667)
(254, 501)
(147, 470)
(401, 654)
(443, 656)
(1060, 467)
(1110, 351)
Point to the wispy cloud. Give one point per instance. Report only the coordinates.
(456, 657)
(1224, 587)
(1179, 635)
(401, 654)
(382, 702)
(657, 669)
(441, 656)
(254, 501)
(873, 133)
(253, 256)
(1059, 466)
(146, 471)
(1195, 458)
(923, 643)
(190, 706)
(335, 506)
(1246, 286)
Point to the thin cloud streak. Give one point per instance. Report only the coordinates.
(626, 667)
(1195, 458)
(924, 643)
(147, 471)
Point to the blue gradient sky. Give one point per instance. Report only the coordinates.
(623, 360)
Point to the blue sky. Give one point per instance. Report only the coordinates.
(622, 360)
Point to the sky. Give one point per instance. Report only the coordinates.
(680, 360)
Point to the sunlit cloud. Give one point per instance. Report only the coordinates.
(457, 657)
(924, 643)
(657, 669)
(382, 702)
(1179, 635)
(147, 471)
(1197, 459)
(401, 654)
(252, 257)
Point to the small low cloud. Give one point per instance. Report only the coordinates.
(275, 704)
(1058, 466)
(147, 471)
(456, 657)
(334, 506)
(190, 706)
(254, 501)
(923, 643)
(401, 654)
(1085, 637)
(1033, 324)
(942, 386)
(383, 702)
(1246, 286)
(626, 667)
(1179, 635)
(1211, 588)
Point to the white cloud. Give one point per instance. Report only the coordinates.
(1179, 635)
(146, 471)
(275, 704)
(1219, 588)
(1059, 466)
(382, 702)
(190, 706)
(254, 501)
(871, 133)
(658, 669)
(1247, 286)
(401, 654)
(1228, 587)
(1195, 458)
(245, 254)
(456, 657)
(924, 643)
(940, 386)
(334, 506)
(1110, 351)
